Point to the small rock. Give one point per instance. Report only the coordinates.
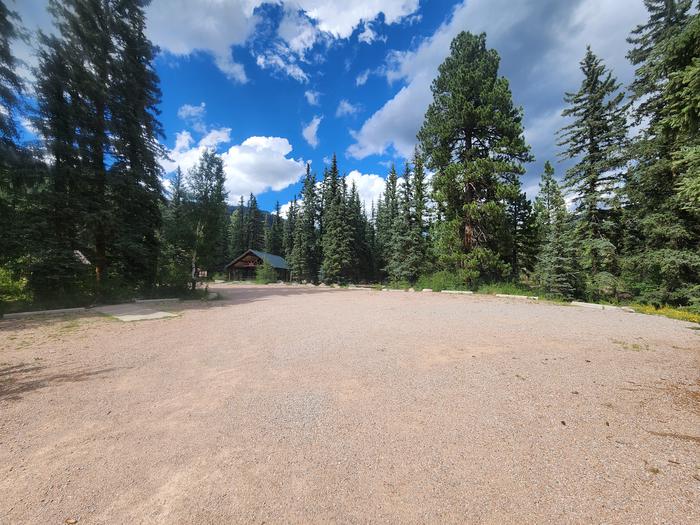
(71, 521)
(563, 423)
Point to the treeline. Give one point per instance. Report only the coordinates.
(84, 215)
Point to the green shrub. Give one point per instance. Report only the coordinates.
(443, 280)
(265, 274)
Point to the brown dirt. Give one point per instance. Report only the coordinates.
(292, 404)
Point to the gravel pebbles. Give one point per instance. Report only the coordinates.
(297, 404)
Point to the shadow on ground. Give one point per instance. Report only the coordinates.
(19, 379)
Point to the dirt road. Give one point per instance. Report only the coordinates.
(292, 404)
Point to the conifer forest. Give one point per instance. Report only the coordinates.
(85, 215)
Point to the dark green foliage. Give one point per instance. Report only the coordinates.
(522, 235)
(208, 211)
(557, 270)
(10, 83)
(265, 274)
(236, 236)
(337, 240)
(387, 213)
(662, 237)
(254, 227)
(288, 229)
(304, 260)
(273, 234)
(596, 140)
(473, 138)
(406, 256)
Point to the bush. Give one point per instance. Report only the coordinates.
(443, 280)
(265, 274)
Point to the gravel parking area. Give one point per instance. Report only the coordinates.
(296, 404)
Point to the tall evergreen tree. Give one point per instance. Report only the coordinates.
(596, 140)
(10, 82)
(662, 241)
(255, 233)
(405, 256)
(472, 137)
(522, 234)
(337, 238)
(288, 230)
(237, 231)
(556, 270)
(273, 234)
(206, 186)
(134, 95)
(387, 212)
(304, 257)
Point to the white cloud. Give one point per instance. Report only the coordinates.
(361, 79)
(346, 108)
(340, 17)
(216, 137)
(312, 97)
(369, 187)
(215, 27)
(260, 164)
(256, 165)
(280, 59)
(310, 131)
(194, 116)
(395, 125)
(183, 27)
(297, 31)
(369, 35)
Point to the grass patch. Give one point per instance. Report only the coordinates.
(505, 288)
(680, 314)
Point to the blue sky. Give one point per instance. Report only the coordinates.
(273, 85)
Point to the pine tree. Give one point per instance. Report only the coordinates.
(337, 237)
(304, 257)
(273, 234)
(237, 231)
(255, 233)
(133, 99)
(10, 82)
(472, 138)
(545, 203)
(288, 231)
(522, 234)
(596, 140)
(662, 235)
(667, 18)
(206, 186)
(387, 212)
(556, 271)
(405, 257)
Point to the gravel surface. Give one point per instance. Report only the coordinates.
(297, 404)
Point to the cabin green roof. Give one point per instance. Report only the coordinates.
(275, 261)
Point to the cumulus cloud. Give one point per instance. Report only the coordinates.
(183, 27)
(346, 108)
(312, 97)
(216, 137)
(256, 165)
(310, 131)
(260, 164)
(369, 187)
(553, 34)
(194, 116)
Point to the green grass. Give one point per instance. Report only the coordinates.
(505, 288)
(681, 314)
